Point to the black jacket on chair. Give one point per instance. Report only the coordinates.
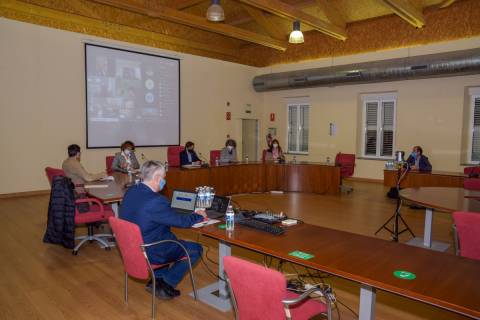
(61, 213)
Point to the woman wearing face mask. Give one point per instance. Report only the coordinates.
(188, 156)
(275, 152)
(418, 161)
(229, 153)
(125, 160)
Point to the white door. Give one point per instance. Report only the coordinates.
(250, 139)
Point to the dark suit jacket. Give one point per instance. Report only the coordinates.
(151, 211)
(423, 164)
(184, 157)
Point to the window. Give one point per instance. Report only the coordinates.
(475, 125)
(379, 125)
(298, 119)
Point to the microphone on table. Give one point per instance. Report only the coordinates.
(203, 159)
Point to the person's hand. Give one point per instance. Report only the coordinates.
(201, 212)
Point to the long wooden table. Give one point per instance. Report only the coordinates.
(424, 179)
(236, 178)
(440, 199)
(442, 280)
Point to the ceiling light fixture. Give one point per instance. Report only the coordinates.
(215, 12)
(296, 36)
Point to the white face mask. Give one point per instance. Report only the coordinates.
(275, 145)
(230, 148)
(127, 152)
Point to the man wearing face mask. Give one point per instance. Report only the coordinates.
(151, 211)
(188, 156)
(74, 170)
(126, 159)
(229, 153)
(418, 161)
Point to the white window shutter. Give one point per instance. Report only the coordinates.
(388, 120)
(371, 117)
(476, 130)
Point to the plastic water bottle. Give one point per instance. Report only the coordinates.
(230, 219)
(246, 158)
(166, 166)
(294, 159)
(216, 161)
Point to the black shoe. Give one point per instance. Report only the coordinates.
(160, 291)
(168, 288)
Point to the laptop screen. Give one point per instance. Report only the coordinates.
(220, 204)
(184, 200)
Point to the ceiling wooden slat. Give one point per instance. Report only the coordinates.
(194, 21)
(333, 14)
(446, 3)
(270, 27)
(287, 11)
(405, 10)
(183, 4)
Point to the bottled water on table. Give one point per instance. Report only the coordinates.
(230, 219)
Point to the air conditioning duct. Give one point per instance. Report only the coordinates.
(449, 64)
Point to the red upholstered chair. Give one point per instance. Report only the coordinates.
(472, 170)
(173, 155)
(261, 293)
(471, 183)
(97, 213)
(264, 154)
(214, 155)
(135, 260)
(467, 234)
(108, 164)
(346, 162)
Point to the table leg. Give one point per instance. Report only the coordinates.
(216, 294)
(367, 303)
(427, 242)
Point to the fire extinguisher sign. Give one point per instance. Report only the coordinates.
(228, 116)
(272, 117)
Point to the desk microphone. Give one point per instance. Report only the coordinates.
(144, 157)
(202, 157)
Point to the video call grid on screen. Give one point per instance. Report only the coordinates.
(131, 96)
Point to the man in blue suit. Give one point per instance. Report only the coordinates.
(151, 211)
(189, 156)
(418, 161)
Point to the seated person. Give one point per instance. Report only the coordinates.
(275, 152)
(151, 211)
(188, 156)
(229, 153)
(125, 160)
(74, 170)
(418, 161)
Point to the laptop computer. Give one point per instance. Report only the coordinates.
(183, 201)
(219, 207)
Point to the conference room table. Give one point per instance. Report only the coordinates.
(439, 199)
(443, 280)
(233, 178)
(415, 178)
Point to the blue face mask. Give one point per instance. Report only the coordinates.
(162, 184)
(413, 154)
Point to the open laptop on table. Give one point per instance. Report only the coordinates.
(219, 207)
(184, 201)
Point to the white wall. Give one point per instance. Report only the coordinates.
(42, 103)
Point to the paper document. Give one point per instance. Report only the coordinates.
(92, 186)
(109, 178)
(205, 223)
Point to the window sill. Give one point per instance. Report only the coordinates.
(376, 159)
(298, 153)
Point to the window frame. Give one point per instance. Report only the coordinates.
(297, 105)
(473, 96)
(379, 99)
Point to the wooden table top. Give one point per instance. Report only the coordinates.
(433, 172)
(443, 280)
(443, 199)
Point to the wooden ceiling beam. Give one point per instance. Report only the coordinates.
(180, 17)
(184, 4)
(446, 3)
(287, 11)
(405, 10)
(270, 27)
(332, 13)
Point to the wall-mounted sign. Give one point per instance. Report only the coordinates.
(228, 116)
(272, 116)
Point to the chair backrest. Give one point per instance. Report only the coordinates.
(258, 291)
(53, 172)
(173, 155)
(468, 230)
(214, 154)
(471, 170)
(471, 183)
(129, 239)
(346, 161)
(264, 154)
(108, 164)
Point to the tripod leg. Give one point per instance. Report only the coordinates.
(407, 227)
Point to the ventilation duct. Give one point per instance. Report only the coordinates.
(448, 64)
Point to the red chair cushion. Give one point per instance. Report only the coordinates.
(468, 229)
(471, 183)
(173, 155)
(53, 172)
(346, 162)
(214, 154)
(108, 164)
